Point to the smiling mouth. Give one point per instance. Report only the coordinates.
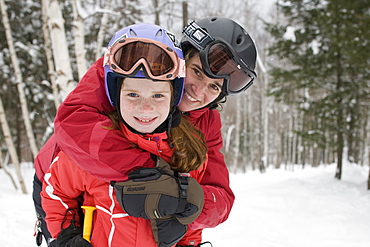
(145, 120)
(189, 97)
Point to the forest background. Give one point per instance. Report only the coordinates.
(308, 106)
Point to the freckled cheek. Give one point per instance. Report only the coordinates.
(162, 107)
(127, 106)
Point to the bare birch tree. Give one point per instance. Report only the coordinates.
(79, 37)
(238, 119)
(9, 140)
(277, 136)
(49, 55)
(249, 113)
(246, 147)
(60, 47)
(156, 12)
(19, 80)
(265, 111)
(3, 165)
(102, 30)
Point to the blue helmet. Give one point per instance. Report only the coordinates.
(126, 57)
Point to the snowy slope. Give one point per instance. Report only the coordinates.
(300, 208)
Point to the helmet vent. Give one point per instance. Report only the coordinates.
(132, 33)
(239, 39)
(214, 19)
(159, 33)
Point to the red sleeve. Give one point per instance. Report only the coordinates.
(62, 185)
(218, 196)
(44, 157)
(79, 131)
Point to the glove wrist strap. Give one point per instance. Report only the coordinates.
(183, 186)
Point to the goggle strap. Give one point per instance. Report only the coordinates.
(198, 36)
(182, 69)
(106, 57)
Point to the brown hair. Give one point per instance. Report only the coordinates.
(190, 52)
(190, 147)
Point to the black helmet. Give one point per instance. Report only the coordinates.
(226, 51)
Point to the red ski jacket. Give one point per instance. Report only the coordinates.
(78, 133)
(65, 181)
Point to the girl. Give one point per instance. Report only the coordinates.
(144, 73)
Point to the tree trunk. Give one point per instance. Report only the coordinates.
(252, 140)
(261, 150)
(156, 12)
(79, 37)
(9, 140)
(49, 55)
(299, 141)
(102, 29)
(340, 121)
(20, 84)
(289, 140)
(185, 13)
(278, 137)
(60, 48)
(338, 172)
(293, 140)
(246, 157)
(265, 111)
(236, 149)
(367, 150)
(3, 166)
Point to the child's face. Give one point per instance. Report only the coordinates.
(145, 104)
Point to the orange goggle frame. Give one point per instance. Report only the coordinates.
(128, 55)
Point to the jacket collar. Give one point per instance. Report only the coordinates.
(155, 143)
(196, 114)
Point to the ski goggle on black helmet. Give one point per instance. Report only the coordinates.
(225, 51)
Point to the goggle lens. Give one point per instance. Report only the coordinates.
(158, 61)
(222, 64)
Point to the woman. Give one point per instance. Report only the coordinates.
(206, 85)
(144, 81)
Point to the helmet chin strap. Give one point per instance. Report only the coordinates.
(220, 99)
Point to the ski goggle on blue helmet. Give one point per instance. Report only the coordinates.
(219, 60)
(144, 51)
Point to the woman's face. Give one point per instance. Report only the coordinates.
(145, 104)
(199, 90)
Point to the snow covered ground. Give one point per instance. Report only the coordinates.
(300, 208)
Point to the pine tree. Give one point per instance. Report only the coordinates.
(325, 48)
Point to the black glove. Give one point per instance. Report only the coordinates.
(72, 237)
(167, 232)
(158, 193)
